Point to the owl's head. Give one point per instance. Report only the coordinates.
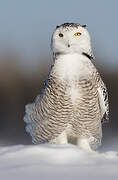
(71, 38)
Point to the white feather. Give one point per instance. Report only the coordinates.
(71, 67)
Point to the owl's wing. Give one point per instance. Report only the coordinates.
(103, 101)
(48, 116)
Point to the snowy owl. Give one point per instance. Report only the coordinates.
(74, 99)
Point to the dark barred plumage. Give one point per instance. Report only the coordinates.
(53, 111)
(105, 96)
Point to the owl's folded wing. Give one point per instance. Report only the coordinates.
(48, 116)
(103, 101)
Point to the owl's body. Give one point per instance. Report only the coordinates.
(73, 101)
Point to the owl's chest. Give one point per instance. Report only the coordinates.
(81, 89)
(73, 93)
(72, 67)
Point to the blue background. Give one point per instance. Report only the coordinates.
(26, 27)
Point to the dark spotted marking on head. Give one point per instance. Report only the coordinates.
(84, 26)
(57, 27)
(66, 25)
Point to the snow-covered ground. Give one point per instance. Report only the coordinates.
(52, 162)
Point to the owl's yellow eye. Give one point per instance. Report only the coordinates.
(61, 35)
(77, 34)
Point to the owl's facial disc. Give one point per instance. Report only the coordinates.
(71, 38)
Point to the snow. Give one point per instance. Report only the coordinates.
(55, 162)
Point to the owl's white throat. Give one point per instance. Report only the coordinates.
(71, 67)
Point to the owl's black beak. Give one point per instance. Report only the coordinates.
(68, 45)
